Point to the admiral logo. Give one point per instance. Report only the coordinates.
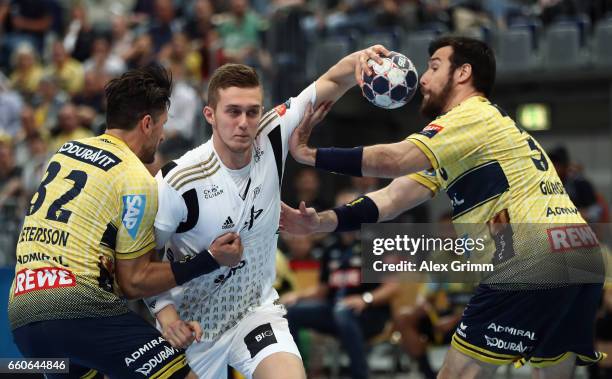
(566, 238)
(512, 331)
(28, 280)
(228, 224)
(212, 191)
(259, 338)
(560, 211)
(94, 156)
(512, 346)
(431, 130)
(133, 210)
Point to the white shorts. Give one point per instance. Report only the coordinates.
(258, 335)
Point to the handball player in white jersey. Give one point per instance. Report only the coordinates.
(228, 190)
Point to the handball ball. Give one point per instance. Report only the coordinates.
(392, 83)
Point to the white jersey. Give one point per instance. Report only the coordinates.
(199, 201)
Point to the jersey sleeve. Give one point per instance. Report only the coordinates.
(135, 236)
(292, 111)
(428, 178)
(450, 138)
(171, 210)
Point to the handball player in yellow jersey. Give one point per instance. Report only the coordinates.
(88, 228)
(494, 173)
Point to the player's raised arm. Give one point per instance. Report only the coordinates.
(387, 203)
(385, 160)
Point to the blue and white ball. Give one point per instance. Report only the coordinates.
(393, 83)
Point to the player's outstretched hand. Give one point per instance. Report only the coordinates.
(227, 249)
(299, 221)
(372, 52)
(298, 142)
(181, 334)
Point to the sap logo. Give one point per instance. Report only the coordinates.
(133, 210)
(566, 238)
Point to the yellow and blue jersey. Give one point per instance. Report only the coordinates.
(96, 203)
(486, 164)
(503, 187)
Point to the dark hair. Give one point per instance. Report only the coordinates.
(135, 94)
(473, 52)
(230, 75)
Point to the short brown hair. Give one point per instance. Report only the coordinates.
(230, 75)
(136, 93)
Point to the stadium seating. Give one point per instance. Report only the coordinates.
(562, 48)
(601, 51)
(415, 46)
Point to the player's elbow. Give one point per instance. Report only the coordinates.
(131, 287)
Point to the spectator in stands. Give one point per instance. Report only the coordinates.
(179, 51)
(201, 31)
(182, 115)
(28, 129)
(239, 34)
(92, 95)
(80, 34)
(102, 60)
(141, 53)
(164, 24)
(299, 248)
(66, 69)
(10, 108)
(307, 187)
(591, 205)
(100, 12)
(47, 102)
(432, 320)
(122, 37)
(27, 72)
(34, 167)
(68, 128)
(11, 185)
(285, 280)
(26, 21)
(340, 304)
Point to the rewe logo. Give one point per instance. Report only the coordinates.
(565, 238)
(133, 210)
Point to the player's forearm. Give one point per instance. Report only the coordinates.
(338, 79)
(390, 160)
(167, 315)
(328, 222)
(150, 280)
